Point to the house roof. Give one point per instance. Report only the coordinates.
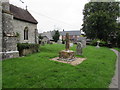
(48, 35)
(22, 14)
(63, 33)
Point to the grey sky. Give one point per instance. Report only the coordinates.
(53, 14)
(62, 14)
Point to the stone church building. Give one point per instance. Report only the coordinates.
(16, 26)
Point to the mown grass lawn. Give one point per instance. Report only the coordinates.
(37, 71)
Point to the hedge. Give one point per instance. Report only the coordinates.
(25, 46)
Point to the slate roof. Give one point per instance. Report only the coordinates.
(22, 14)
(48, 35)
(63, 33)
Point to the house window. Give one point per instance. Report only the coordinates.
(26, 33)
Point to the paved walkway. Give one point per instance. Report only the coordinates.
(115, 83)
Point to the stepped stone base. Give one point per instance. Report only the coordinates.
(67, 55)
(9, 54)
(77, 61)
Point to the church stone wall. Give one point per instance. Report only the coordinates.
(8, 29)
(19, 26)
(5, 5)
(0, 31)
(9, 42)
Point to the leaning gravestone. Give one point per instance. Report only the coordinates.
(79, 48)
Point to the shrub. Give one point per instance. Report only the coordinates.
(63, 41)
(25, 46)
(94, 42)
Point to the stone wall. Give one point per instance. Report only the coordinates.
(9, 42)
(8, 29)
(0, 31)
(19, 26)
(25, 52)
(5, 5)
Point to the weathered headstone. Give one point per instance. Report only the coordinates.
(59, 42)
(82, 40)
(71, 44)
(83, 43)
(79, 48)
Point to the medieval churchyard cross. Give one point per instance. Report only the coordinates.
(67, 44)
(67, 55)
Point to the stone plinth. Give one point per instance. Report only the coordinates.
(10, 54)
(75, 62)
(66, 55)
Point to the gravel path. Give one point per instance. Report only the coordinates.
(115, 80)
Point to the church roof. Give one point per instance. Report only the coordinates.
(22, 14)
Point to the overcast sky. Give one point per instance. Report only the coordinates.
(52, 14)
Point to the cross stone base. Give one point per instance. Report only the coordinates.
(67, 55)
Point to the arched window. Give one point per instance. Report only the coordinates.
(26, 33)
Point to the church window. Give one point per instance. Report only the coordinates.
(26, 33)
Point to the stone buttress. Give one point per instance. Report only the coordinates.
(9, 39)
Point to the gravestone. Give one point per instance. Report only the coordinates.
(82, 40)
(83, 43)
(79, 48)
(71, 44)
(59, 42)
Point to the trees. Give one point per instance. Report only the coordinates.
(100, 20)
(56, 36)
(118, 36)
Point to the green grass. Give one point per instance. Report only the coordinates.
(37, 71)
(118, 49)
